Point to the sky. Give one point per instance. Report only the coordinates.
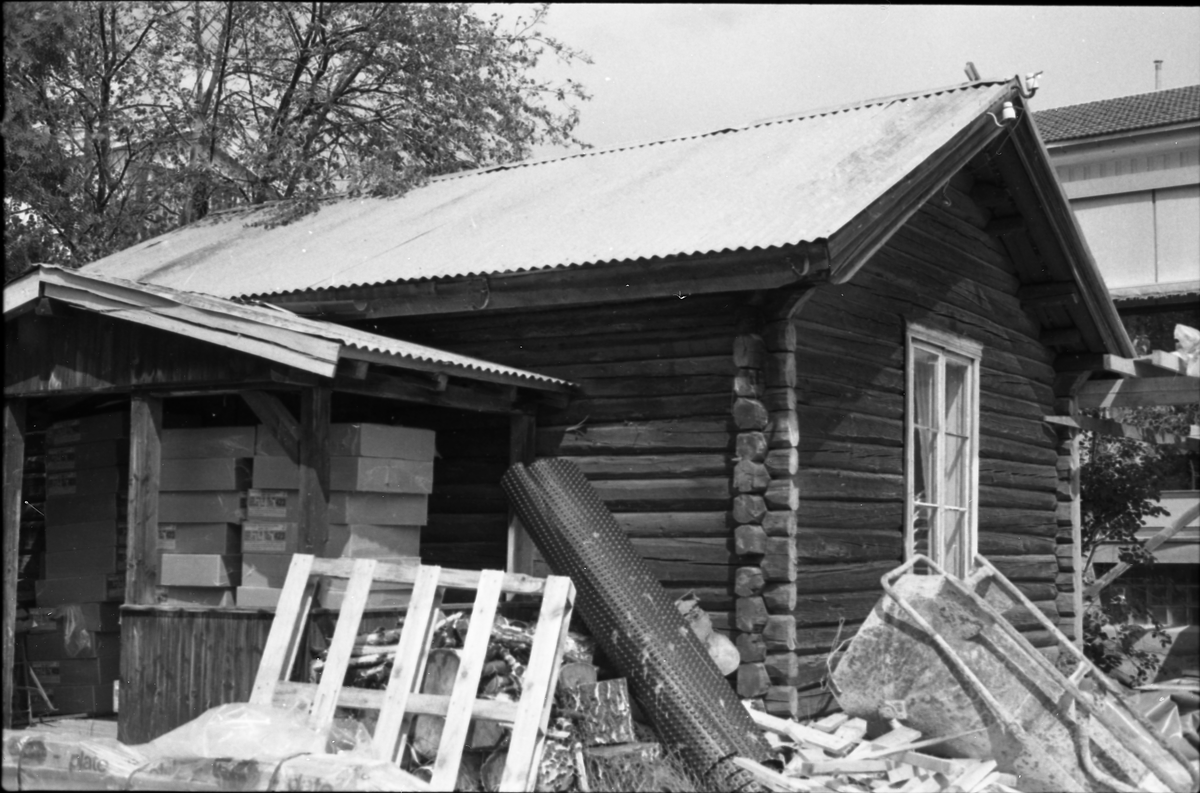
(663, 70)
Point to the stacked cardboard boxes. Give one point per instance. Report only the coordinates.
(86, 494)
(380, 479)
(201, 504)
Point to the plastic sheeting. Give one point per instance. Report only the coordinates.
(633, 619)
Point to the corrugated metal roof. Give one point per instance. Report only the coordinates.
(263, 330)
(774, 183)
(1122, 114)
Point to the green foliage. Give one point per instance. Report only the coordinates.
(1119, 486)
(125, 119)
(1111, 639)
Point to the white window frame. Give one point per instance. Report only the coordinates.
(946, 346)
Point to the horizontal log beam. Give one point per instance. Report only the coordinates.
(1139, 392)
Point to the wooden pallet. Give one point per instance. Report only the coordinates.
(401, 700)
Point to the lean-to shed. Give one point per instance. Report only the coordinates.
(803, 348)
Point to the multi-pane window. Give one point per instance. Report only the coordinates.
(942, 447)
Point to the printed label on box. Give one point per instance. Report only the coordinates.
(166, 537)
(267, 503)
(58, 459)
(49, 673)
(62, 484)
(116, 586)
(267, 537)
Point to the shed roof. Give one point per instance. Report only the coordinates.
(254, 328)
(1122, 114)
(775, 183)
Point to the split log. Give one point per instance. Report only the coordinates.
(784, 429)
(751, 446)
(781, 398)
(748, 383)
(782, 463)
(779, 632)
(750, 477)
(602, 711)
(751, 647)
(748, 581)
(749, 351)
(780, 597)
(749, 509)
(618, 767)
(779, 336)
(752, 680)
(780, 523)
(782, 701)
(749, 538)
(750, 414)
(782, 494)
(781, 369)
(751, 614)
(441, 668)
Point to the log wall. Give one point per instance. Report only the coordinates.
(759, 461)
(940, 270)
(651, 428)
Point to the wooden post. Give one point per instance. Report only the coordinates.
(14, 464)
(521, 449)
(314, 469)
(145, 458)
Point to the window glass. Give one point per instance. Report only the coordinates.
(943, 444)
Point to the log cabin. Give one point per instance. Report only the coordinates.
(787, 354)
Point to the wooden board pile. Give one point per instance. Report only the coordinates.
(835, 754)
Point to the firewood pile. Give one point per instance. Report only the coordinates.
(591, 723)
(835, 754)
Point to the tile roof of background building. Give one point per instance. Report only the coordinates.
(1140, 111)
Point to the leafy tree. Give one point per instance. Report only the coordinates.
(1120, 481)
(124, 119)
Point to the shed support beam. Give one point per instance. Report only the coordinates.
(145, 458)
(521, 446)
(278, 420)
(1139, 392)
(314, 469)
(14, 463)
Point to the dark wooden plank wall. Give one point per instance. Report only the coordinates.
(943, 271)
(178, 663)
(651, 429)
(75, 351)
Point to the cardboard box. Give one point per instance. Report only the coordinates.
(217, 597)
(101, 426)
(201, 442)
(83, 456)
(64, 510)
(364, 440)
(219, 538)
(204, 473)
(89, 561)
(78, 671)
(81, 589)
(104, 617)
(201, 506)
(82, 699)
(255, 597)
(354, 474)
(200, 570)
(52, 647)
(78, 536)
(365, 541)
(265, 570)
(265, 536)
(109, 479)
(383, 509)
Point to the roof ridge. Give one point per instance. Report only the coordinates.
(1117, 98)
(787, 118)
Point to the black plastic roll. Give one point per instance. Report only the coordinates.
(690, 704)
